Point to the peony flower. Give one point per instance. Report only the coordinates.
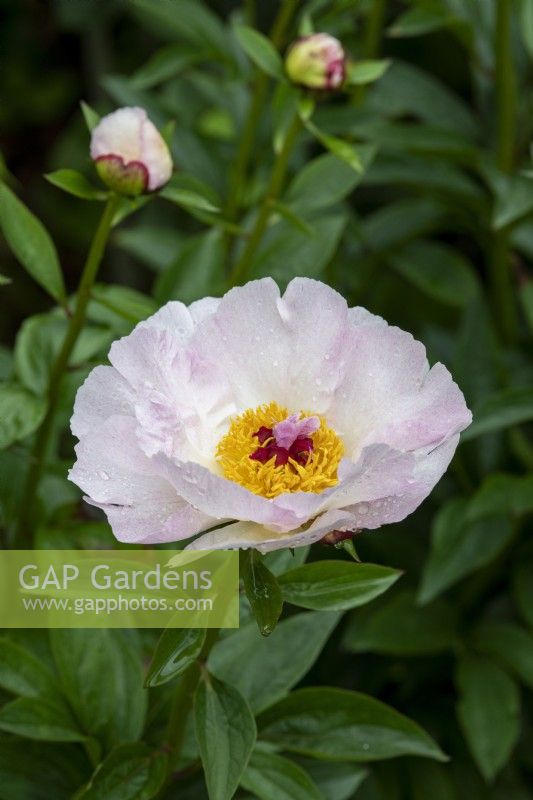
(316, 62)
(130, 155)
(263, 421)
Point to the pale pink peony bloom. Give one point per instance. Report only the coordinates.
(130, 154)
(316, 62)
(274, 419)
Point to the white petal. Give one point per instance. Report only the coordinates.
(247, 534)
(119, 134)
(103, 394)
(155, 155)
(141, 505)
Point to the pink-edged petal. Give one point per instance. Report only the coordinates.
(114, 472)
(247, 534)
(383, 366)
(165, 519)
(103, 394)
(155, 155)
(221, 498)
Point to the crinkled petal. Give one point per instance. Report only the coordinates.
(103, 394)
(247, 534)
(140, 504)
(284, 349)
(220, 498)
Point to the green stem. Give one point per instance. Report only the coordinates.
(59, 368)
(275, 186)
(249, 133)
(183, 700)
(505, 90)
(374, 29)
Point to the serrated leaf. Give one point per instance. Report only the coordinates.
(31, 244)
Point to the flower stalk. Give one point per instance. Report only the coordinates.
(277, 179)
(23, 536)
(249, 133)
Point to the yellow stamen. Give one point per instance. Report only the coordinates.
(235, 448)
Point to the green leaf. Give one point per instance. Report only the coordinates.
(40, 771)
(102, 677)
(31, 244)
(91, 117)
(419, 21)
(260, 50)
(196, 272)
(262, 591)
(39, 341)
(286, 253)
(175, 651)
(488, 710)
(459, 547)
(75, 183)
(526, 297)
(523, 590)
(397, 626)
(336, 781)
(21, 413)
(526, 26)
(325, 181)
(514, 200)
(187, 199)
(508, 407)
(339, 725)
(273, 665)
(41, 718)
(509, 644)
(340, 148)
(119, 307)
(226, 733)
(292, 218)
(335, 585)
(438, 270)
(23, 674)
(269, 776)
(165, 64)
(362, 72)
(130, 772)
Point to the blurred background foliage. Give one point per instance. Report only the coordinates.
(435, 233)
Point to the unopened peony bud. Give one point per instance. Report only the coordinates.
(316, 62)
(130, 155)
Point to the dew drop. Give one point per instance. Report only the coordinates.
(104, 476)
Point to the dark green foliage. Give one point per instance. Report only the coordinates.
(412, 194)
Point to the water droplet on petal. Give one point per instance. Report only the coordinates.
(104, 476)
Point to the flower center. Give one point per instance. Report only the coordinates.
(270, 452)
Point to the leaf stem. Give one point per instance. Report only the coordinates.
(505, 90)
(23, 536)
(249, 133)
(275, 186)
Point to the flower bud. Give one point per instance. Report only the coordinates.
(316, 62)
(129, 153)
